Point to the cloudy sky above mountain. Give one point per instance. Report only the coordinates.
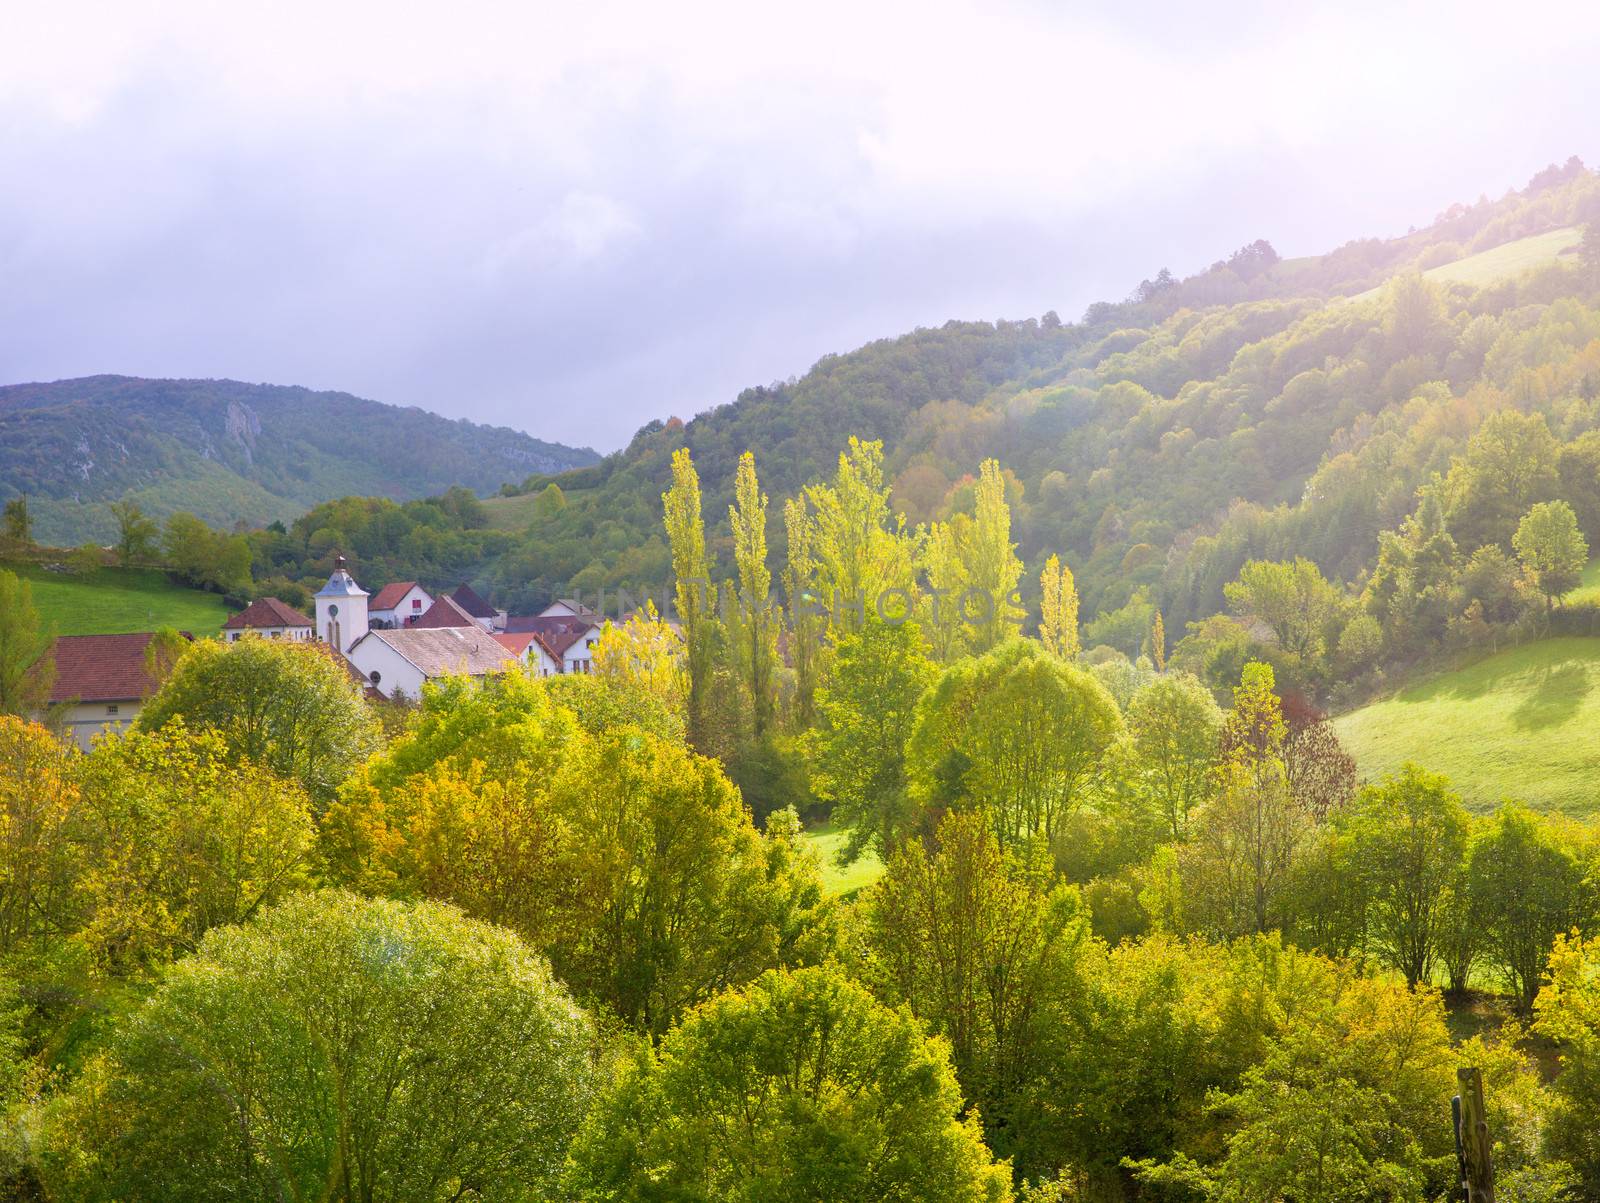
(572, 219)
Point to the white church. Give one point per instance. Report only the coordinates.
(454, 635)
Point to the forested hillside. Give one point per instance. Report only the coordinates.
(1387, 414)
(232, 452)
(1286, 385)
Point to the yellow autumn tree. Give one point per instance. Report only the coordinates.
(646, 652)
(1058, 624)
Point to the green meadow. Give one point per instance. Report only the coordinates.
(1503, 262)
(841, 881)
(1523, 724)
(114, 601)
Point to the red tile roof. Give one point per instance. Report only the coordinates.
(472, 603)
(266, 612)
(518, 643)
(389, 596)
(445, 612)
(557, 632)
(101, 668)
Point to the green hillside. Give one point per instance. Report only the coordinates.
(113, 601)
(1503, 262)
(233, 452)
(1262, 407)
(510, 513)
(1522, 724)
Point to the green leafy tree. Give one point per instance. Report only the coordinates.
(945, 583)
(136, 534)
(1508, 466)
(799, 572)
(282, 704)
(170, 838)
(1325, 1085)
(1158, 643)
(1568, 1012)
(1551, 549)
(1175, 725)
(336, 1048)
(981, 944)
(1526, 887)
(1578, 466)
(27, 659)
(624, 857)
(800, 1087)
(1237, 867)
(38, 802)
(1414, 318)
(1017, 733)
(18, 521)
(1292, 600)
(1407, 837)
(868, 708)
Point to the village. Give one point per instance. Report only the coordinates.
(392, 642)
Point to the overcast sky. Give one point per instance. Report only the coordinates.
(574, 218)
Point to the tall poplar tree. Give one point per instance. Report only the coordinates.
(991, 560)
(695, 597)
(799, 573)
(1058, 623)
(758, 624)
(860, 551)
(945, 572)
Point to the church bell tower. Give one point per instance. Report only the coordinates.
(341, 609)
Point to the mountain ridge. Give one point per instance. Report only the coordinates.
(232, 451)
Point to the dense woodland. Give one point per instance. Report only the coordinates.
(1051, 638)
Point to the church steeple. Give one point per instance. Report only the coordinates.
(341, 608)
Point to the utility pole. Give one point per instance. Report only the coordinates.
(1474, 1150)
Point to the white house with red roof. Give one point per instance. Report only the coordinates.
(101, 681)
(566, 639)
(398, 604)
(269, 618)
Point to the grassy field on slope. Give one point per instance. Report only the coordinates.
(1522, 724)
(1588, 593)
(837, 881)
(1503, 262)
(114, 602)
(510, 513)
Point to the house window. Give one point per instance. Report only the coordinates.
(375, 676)
(111, 709)
(416, 603)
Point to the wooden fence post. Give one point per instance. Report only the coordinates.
(1476, 1149)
